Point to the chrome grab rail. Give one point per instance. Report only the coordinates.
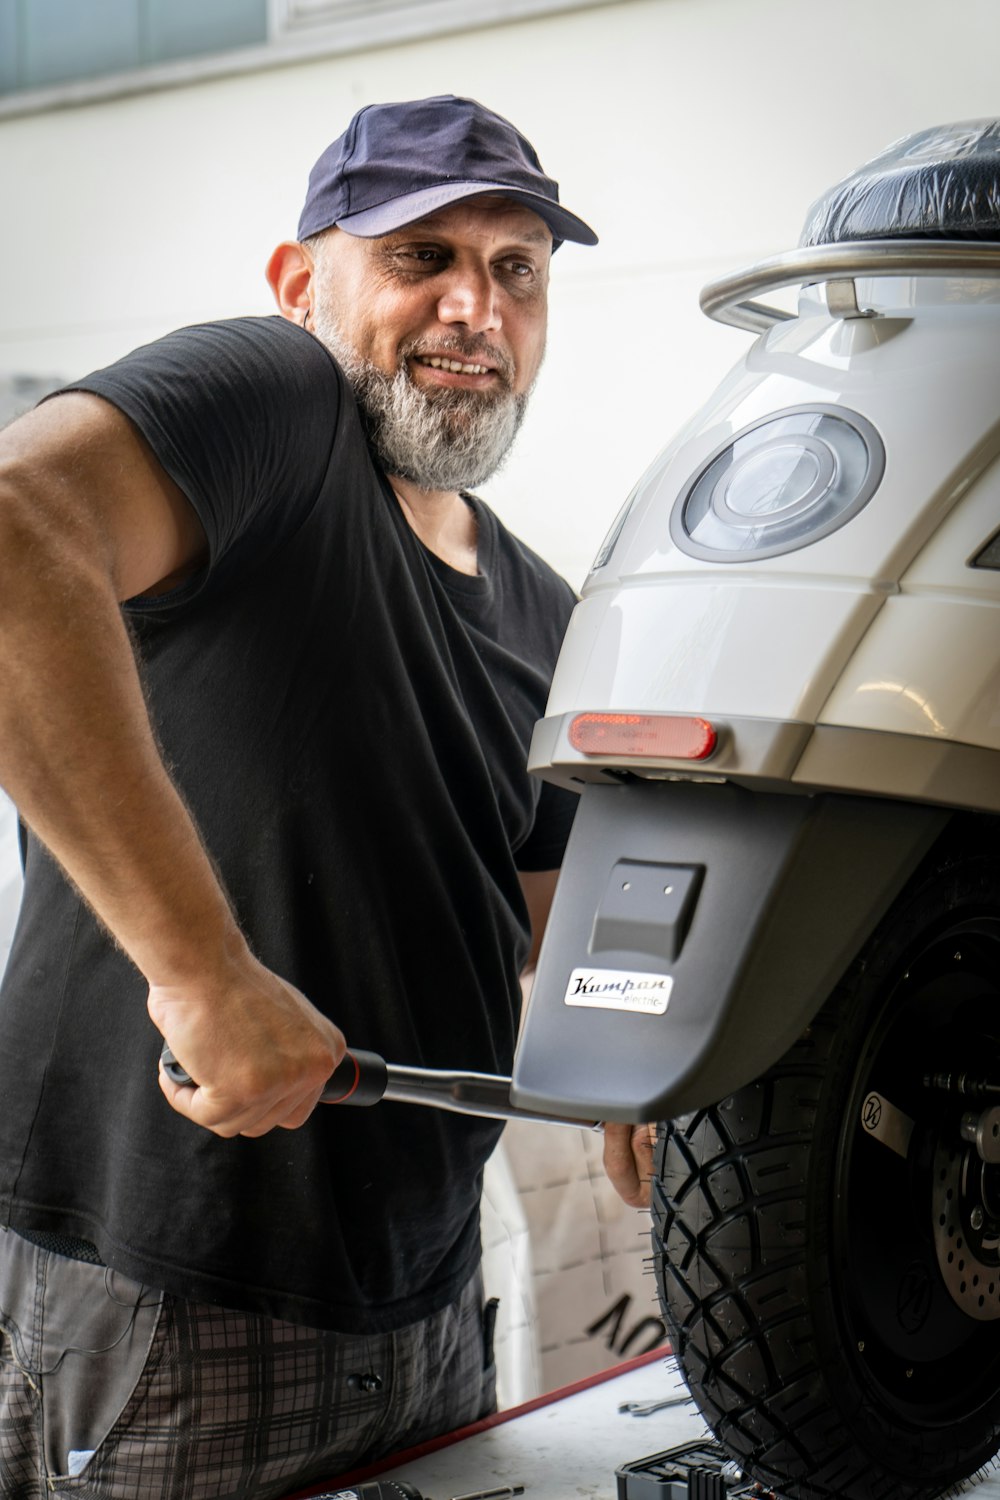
(729, 300)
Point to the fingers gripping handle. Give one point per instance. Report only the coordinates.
(359, 1078)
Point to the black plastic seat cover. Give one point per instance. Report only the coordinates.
(941, 183)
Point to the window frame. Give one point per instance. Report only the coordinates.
(298, 31)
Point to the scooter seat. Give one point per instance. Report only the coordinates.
(941, 183)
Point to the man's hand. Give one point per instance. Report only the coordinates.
(260, 1052)
(628, 1161)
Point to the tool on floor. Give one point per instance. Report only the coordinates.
(398, 1489)
(646, 1408)
(363, 1078)
(691, 1471)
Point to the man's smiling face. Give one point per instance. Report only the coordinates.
(441, 329)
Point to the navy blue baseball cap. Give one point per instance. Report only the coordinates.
(397, 162)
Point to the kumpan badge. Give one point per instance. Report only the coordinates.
(619, 989)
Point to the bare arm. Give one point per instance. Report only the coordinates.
(538, 888)
(88, 518)
(628, 1161)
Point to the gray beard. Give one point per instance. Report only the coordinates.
(439, 440)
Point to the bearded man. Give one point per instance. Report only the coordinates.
(277, 797)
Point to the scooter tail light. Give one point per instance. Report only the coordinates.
(654, 736)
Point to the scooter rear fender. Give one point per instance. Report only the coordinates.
(696, 931)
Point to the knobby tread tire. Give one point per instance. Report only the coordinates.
(741, 1224)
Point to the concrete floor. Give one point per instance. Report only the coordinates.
(570, 1448)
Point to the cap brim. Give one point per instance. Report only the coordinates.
(397, 213)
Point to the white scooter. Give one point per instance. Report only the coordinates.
(778, 924)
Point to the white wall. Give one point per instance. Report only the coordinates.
(692, 133)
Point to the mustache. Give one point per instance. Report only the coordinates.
(471, 350)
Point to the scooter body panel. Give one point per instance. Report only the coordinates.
(700, 649)
(798, 636)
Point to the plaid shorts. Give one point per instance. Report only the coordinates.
(112, 1391)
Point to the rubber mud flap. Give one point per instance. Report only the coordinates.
(696, 930)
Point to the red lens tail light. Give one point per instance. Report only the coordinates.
(655, 736)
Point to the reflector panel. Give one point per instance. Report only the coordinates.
(658, 736)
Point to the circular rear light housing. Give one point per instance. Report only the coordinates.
(780, 484)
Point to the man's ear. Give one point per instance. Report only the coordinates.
(289, 273)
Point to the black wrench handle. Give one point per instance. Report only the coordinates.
(359, 1078)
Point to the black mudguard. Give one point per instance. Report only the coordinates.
(696, 931)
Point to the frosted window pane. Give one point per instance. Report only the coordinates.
(63, 39)
(184, 28)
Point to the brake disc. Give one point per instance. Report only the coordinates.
(966, 1233)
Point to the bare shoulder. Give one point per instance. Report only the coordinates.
(76, 471)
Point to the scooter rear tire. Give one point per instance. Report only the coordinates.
(799, 1259)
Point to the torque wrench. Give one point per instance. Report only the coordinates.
(363, 1078)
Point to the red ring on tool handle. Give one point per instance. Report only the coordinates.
(371, 1078)
(343, 1098)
